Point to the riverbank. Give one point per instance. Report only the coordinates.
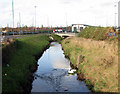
(97, 62)
(20, 62)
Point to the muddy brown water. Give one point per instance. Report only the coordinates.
(52, 73)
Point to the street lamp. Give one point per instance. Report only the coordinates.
(13, 15)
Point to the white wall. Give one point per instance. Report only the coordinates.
(78, 27)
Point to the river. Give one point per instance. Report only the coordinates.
(52, 73)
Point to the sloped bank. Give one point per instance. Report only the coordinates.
(20, 62)
(97, 62)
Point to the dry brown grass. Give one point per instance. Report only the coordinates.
(100, 64)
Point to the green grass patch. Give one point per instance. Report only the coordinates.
(19, 62)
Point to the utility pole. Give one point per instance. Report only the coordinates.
(66, 22)
(106, 20)
(33, 22)
(8, 28)
(33, 25)
(19, 23)
(19, 19)
(48, 24)
(35, 17)
(17, 27)
(115, 15)
(119, 14)
(13, 15)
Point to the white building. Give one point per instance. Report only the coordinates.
(119, 14)
(78, 27)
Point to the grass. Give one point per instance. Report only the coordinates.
(19, 62)
(97, 60)
(98, 33)
(56, 37)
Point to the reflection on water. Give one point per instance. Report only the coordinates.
(52, 73)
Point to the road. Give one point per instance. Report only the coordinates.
(4, 38)
(66, 34)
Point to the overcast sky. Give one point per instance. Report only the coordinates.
(59, 12)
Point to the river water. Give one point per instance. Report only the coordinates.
(52, 73)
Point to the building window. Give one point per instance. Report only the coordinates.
(81, 28)
(75, 29)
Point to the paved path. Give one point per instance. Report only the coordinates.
(66, 34)
(5, 38)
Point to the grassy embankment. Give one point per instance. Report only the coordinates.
(20, 61)
(99, 33)
(96, 60)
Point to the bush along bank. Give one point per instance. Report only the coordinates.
(20, 61)
(96, 61)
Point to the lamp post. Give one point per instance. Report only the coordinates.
(19, 19)
(13, 15)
